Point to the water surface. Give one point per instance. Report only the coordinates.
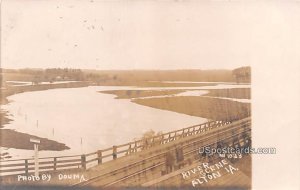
(86, 120)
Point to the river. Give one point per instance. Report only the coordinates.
(87, 120)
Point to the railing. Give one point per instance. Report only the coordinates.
(85, 161)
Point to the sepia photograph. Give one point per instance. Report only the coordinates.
(100, 94)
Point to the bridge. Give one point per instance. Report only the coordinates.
(142, 163)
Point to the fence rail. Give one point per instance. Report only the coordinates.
(85, 161)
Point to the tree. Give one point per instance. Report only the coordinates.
(242, 74)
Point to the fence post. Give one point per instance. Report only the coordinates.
(114, 152)
(162, 139)
(83, 161)
(199, 130)
(26, 167)
(153, 141)
(194, 130)
(135, 146)
(99, 153)
(54, 163)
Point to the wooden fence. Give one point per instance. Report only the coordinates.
(85, 161)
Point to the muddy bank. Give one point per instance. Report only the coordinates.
(18, 140)
(4, 118)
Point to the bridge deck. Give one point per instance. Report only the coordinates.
(125, 171)
(142, 167)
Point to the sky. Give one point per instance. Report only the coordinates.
(94, 34)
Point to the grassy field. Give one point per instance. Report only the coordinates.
(239, 93)
(212, 108)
